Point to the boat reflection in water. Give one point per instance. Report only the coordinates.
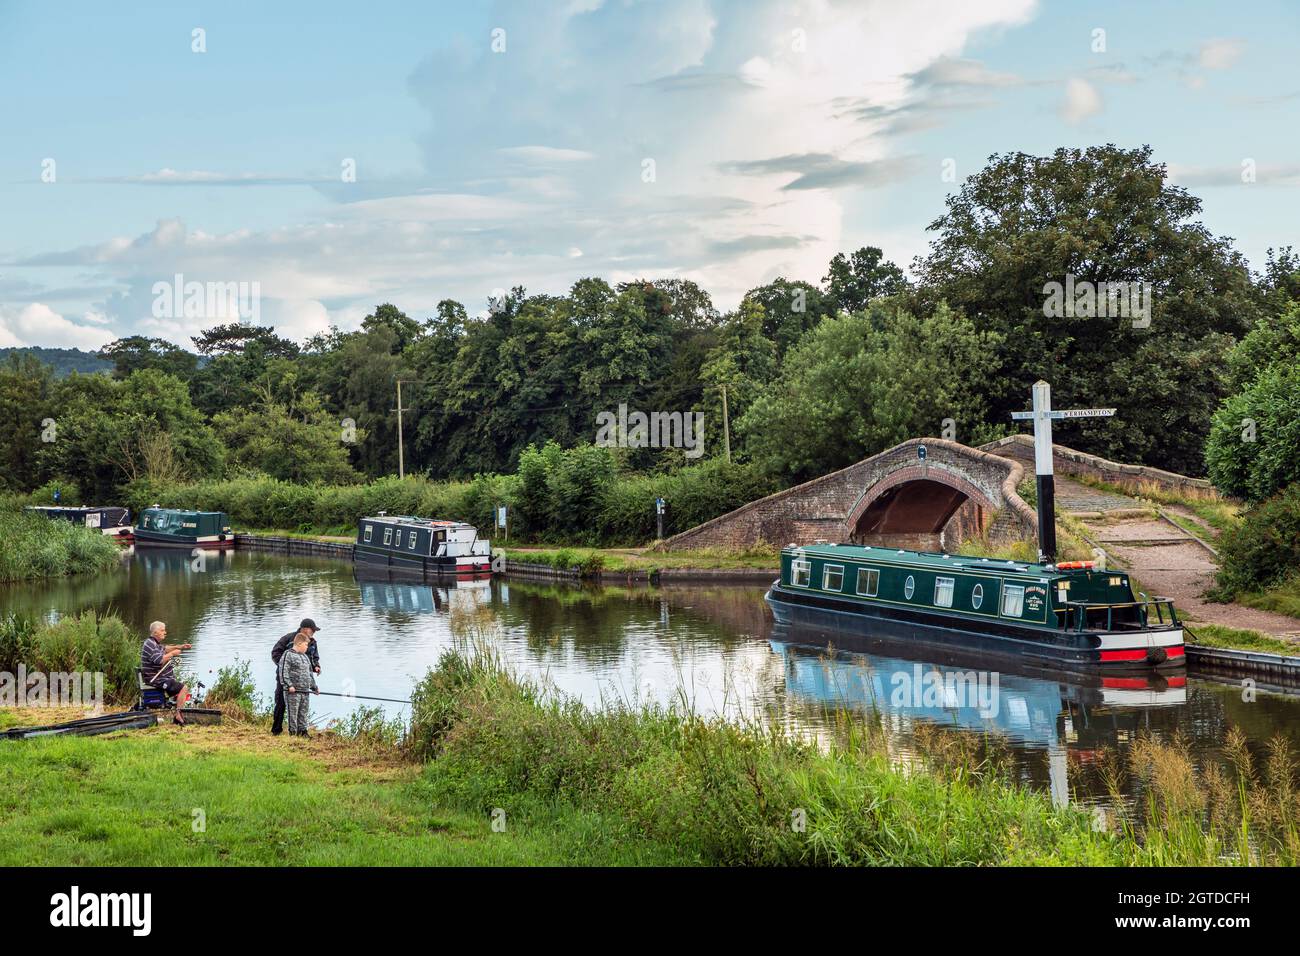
(395, 590)
(1061, 713)
(176, 560)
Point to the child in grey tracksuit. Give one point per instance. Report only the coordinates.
(298, 680)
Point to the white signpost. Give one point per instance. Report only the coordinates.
(1044, 478)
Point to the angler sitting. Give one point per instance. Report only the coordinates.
(156, 662)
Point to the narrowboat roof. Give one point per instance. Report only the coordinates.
(933, 559)
(183, 511)
(418, 522)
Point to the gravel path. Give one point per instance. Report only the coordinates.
(1167, 562)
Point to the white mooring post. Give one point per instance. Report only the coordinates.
(1044, 479)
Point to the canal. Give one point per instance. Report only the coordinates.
(711, 646)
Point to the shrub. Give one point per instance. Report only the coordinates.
(38, 547)
(77, 643)
(234, 691)
(1264, 549)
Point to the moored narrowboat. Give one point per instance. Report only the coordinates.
(1071, 614)
(425, 545)
(189, 529)
(109, 520)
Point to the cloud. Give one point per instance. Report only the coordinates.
(198, 177)
(822, 171)
(680, 138)
(1081, 101)
(1220, 54)
(950, 71)
(1270, 175)
(546, 154)
(38, 324)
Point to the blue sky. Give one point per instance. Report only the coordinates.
(776, 133)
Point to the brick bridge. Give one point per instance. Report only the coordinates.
(897, 498)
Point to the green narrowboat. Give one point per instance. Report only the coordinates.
(189, 529)
(1071, 614)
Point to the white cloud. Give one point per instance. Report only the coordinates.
(1220, 54)
(38, 324)
(1081, 101)
(539, 158)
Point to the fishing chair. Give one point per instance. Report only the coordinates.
(152, 698)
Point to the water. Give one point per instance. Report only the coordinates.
(713, 647)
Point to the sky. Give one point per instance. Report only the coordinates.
(333, 156)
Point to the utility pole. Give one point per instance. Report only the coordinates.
(1044, 477)
(401, 457)
(726, 424)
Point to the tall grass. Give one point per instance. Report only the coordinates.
(77, 643)
(33, 546)
(751, 792)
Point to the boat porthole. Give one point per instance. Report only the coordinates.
(909, 587)
(977, 596)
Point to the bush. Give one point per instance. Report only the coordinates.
(77, 643)
(1264, 549)
(37, 547)
(573, 496)
(234, 691)
(1253, 451)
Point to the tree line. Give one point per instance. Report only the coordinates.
(817, 374)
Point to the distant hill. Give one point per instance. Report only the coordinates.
(64, 361)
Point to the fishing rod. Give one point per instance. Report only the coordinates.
(391, 700)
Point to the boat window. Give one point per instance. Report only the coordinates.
(977, 596)
(1013, 600)
(388, 536)
(833, 577)
(800, 573)
(909, 587)
(369, 529)
(943, 592)
(412, 544)
(868, 581)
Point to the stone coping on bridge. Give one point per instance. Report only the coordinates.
(822, 508)
(1072, 462)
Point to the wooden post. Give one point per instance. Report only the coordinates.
(726, 426)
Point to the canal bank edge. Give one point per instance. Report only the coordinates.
(1240, 662)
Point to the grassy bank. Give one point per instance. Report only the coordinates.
(621, 786)
(1239, 639)
(592, 560)
(36, 547)
(135, 799)
(727, 793)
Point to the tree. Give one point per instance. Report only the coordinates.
(855, 280)
(25, 386)
(744, 360)
(136, 352)
(1254, 447)
(111, 432)
(388, 316)
(1101, 214)
(790, 309)
(234, 338)
(860, 383)
(300, 442)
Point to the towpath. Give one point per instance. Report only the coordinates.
(1164, 559)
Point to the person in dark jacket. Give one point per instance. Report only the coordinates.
(308, 629)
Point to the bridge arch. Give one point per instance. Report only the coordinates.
(902, 496)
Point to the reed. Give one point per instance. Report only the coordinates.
(38, 547)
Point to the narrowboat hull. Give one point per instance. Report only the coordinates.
(1159, 648)
(459, 566)
(159, 539)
